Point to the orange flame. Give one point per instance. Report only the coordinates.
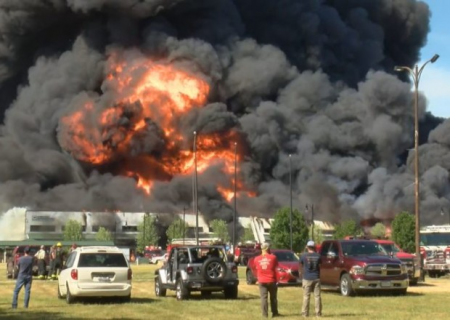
(139, 94)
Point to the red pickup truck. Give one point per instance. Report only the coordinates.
(409, 260)
(287, 271)
(361, 265)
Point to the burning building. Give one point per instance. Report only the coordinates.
(99, 101)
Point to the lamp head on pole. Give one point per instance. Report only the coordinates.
(435, 57)
(397, 68)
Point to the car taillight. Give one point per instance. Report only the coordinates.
(234, 269)
(74, 274)
(130, 274)
(190, 270)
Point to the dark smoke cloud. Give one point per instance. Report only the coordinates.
(311, 79)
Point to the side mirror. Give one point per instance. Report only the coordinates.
(331, 255)
(391, 254)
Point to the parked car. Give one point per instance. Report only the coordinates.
(354, 266)
(95, 272)
(197, 268)
(409, 260)
(287, 272)
(12, 269)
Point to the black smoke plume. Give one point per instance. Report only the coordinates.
(310, 78)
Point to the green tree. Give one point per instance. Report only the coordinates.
(248, 234)
(378, 231)
(318, 236)
(220, 229)
(103, 235)
(347, 228)
(147, 233)
(178, 229)
(73, 231)
(403, 231)
(280, 230)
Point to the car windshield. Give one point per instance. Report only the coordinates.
(286, 256)
(435, 239)
(98, 260)
(199, 254)
(390, 247)
(362, 248)
(32, 251)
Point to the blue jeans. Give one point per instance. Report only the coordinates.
(22, 281)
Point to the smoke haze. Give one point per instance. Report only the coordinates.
(312, 79)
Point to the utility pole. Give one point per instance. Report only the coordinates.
(235, 202)
(290, 201)
(195, 189)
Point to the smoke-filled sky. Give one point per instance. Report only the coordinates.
(98, 96)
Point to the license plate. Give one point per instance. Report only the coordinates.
(104, 279)
(386, 284)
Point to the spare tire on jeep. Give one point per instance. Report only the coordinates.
(213, 270)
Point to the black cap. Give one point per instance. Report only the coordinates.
(26, 250)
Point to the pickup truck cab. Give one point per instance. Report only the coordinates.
(361, 265)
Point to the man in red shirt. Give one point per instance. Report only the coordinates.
(266, 265)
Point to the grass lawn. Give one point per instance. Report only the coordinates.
(427, 301)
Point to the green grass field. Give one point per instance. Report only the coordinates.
(425, 301)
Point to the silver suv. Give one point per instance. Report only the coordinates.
(197, 268)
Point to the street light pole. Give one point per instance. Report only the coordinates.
(290, 200)
(415, 74)
(195, 189)
(235, 181)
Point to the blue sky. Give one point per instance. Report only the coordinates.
(435, 80)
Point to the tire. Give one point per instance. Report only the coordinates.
(160, 291)
(213, 270)
(231, 292)
(413, 282)
(60, 296)
(243, 260)
(15, 272)
(126, 299)
(345, 286)
(249, 277)
(432, 274)
(69, 298)
(181, 291)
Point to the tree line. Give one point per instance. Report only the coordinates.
(402, 231)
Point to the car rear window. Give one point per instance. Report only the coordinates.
(98, 260)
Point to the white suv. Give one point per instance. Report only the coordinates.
(95, 272)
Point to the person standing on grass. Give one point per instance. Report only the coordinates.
(266, 265)
(40, 256)
(24, 278)
(311, 279)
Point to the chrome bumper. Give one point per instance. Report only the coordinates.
(360, 284)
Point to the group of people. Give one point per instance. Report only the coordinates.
(55, 260)
(266, 266)
(25, 266)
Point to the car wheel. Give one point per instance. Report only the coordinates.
(213, 270)
(69, 298)
(249, 277)
(231, 292)
(181, 291)
(346, 286)
(413, 282)
(60, 296)
(159, 290)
